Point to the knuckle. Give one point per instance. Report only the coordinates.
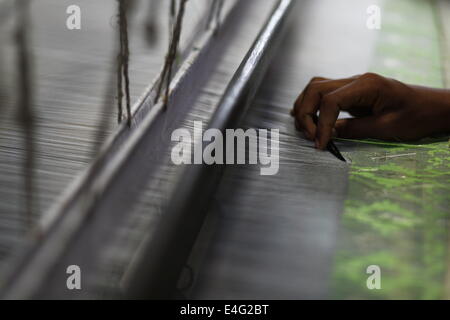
(316, 79)
(312, 92)
(314, 87)
(372, 78)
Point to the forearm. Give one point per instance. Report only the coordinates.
(433, 108)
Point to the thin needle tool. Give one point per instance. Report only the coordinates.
(331, 146)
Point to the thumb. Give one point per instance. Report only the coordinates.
(360, 128)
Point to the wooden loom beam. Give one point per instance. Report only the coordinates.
(95, 204)
(182, 221)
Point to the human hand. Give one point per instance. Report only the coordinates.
(383, 108)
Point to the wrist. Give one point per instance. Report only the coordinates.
(434, 107)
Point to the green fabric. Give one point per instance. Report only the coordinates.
(398, 207)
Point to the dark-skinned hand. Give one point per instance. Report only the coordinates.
(383, 108)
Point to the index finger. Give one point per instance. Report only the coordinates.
(343, 98)
(301, 97)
